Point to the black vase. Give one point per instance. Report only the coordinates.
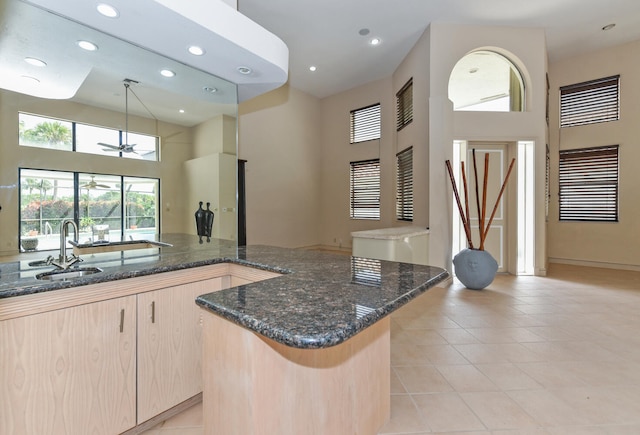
(201, 221)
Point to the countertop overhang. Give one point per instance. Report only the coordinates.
(320, 300)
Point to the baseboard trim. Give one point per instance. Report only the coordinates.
(166, 415)
(599, 264)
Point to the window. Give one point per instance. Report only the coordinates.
(365, 189)
(404, 185)
(589, 184)
(404, 105)
(486, 81)
(365, 124)
(107, 207)
(42, 132)
(36, 131)
(590, 102)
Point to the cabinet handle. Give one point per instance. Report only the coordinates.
(122, 320)
(153, 312)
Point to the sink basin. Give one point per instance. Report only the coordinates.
(64, 275)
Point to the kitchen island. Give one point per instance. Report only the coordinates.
(311, 342)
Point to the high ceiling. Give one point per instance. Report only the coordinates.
(326, 33)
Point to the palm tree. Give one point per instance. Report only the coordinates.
(53, 133)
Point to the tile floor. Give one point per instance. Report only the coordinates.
(558, 355)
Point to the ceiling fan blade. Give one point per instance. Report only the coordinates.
(112, 147)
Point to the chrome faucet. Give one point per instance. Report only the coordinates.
(64, 262)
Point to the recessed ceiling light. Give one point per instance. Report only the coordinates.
(375, 41)
(210, 89)
(244, 70)
(609, 26)
(86, 45)
(363, 32)
(312, 68)
(35, 62)
(195, 50)
(108, 10)
(181, 110)
(167, 73)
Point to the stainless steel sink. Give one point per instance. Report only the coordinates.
(64, 275)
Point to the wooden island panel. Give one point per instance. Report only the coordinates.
(256, 386)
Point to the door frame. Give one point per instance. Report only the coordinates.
(520, 211)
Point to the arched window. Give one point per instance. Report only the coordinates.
(486, 81)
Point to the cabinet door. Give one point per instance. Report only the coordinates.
(70, 371)
(170, 346)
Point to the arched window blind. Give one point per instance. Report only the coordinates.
(589, 184)
(365, 123)
(365, 189)
(404, 185)
(590, 102)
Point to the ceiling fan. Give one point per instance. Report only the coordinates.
(94, 185)
(125, 147)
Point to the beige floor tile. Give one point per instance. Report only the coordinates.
(607, 405)
(466, 378)
(396, 384)
(457, 336)
(552, 374)
(444, 354)
(447, 413)
(422, 379)
(498, 411)
(508, 376)
(548, 409)
(497, 353)
(405, 417)
(504, 335)
(571, 351)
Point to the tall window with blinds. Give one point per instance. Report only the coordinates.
(404, 185)
(365, 124)
(589, 184)
(590, 102)
(365, 189)
(404, 105)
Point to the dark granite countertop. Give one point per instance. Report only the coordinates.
(321, 300)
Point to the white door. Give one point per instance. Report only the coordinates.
(495, 240)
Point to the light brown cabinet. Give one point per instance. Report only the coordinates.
(170, 346)
(106, 358)
(70, 371)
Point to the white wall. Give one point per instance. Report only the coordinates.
(600, 244)
(279, 136)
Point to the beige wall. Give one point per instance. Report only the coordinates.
(527, 49)
(600, 244)
(279, 136)
(432, 132)
(337, 152)
(175, 150)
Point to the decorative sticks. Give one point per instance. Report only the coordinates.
(465, 215)
(467, 229)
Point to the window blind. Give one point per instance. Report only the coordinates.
(404, 105)
(365, 189)
(404, 185)
(590, 102)
(365, 124)
(589, 184)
